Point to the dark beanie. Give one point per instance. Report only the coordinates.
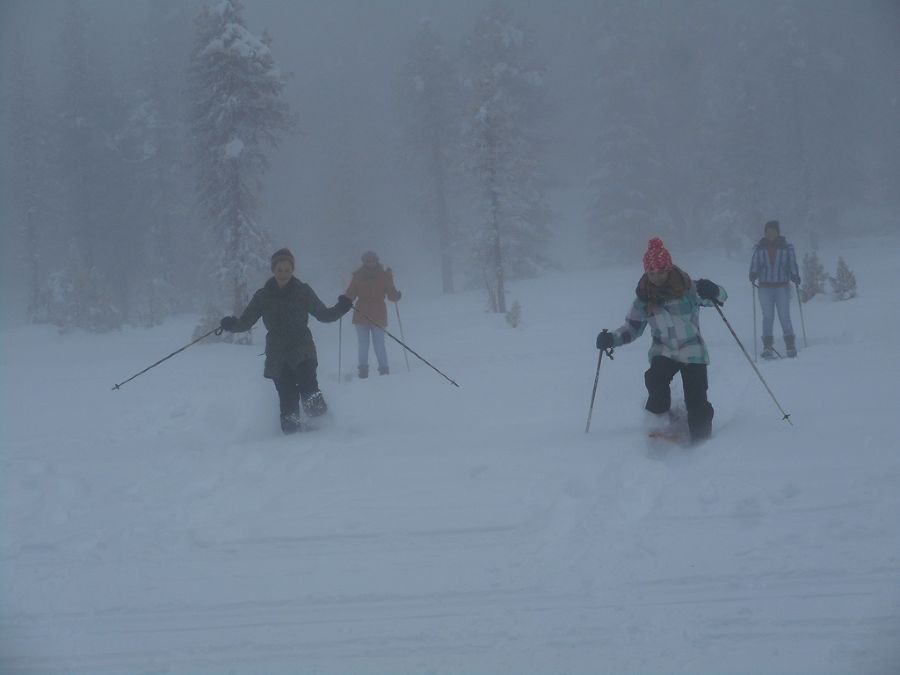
(282, 254)
(774, 224)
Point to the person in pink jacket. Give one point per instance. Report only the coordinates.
(371, 284)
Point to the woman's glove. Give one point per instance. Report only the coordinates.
(228, 323)
(344, 304)
(707, 289)
(605, 340)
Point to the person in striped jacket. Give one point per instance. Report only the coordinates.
(773, 268)
(669, 301)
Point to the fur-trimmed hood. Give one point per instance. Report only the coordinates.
(678, 283)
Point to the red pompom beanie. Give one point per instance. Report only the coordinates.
(657, 258)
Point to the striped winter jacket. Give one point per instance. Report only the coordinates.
(674, 323)
(774, 270)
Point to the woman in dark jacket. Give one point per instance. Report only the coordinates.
(284, 304)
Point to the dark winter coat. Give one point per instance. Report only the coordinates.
(774, 263)
(285, 314)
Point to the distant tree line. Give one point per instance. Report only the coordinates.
(139, 195)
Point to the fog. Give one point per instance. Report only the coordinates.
(697, 121)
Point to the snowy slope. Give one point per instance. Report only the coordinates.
(169, 527)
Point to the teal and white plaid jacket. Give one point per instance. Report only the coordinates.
(674, 325)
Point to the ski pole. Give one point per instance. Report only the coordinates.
(785, 416)
(340, 347)
(802, 322)
(217, 331)
(402, 344)
(754, 322)
(400, 323)
(609, 353)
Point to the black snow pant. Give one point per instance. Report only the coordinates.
(300, 383)
(694, 381)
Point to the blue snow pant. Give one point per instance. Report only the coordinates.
(364, 332)
(772, 298)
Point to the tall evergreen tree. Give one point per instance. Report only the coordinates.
(27, 155)
(346, 230)
(431, 94)
(90, 176)
(505, 132)
(156, 141)
(628, 174)
(238, 111)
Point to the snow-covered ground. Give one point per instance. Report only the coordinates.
(170, 527)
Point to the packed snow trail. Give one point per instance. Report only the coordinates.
(170, 527)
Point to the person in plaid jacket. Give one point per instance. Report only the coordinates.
(669, 301)
(772, 268)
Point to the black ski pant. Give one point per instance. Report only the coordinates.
(694, 381)
(300, 382)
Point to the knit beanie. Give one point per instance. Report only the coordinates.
(282, 254)
(657, 258)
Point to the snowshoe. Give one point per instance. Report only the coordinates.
(291, 424)
(314, 405)
(669, 427)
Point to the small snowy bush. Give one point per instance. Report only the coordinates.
(514, 315)
(813, 275)
(843, 283)
(77, 298)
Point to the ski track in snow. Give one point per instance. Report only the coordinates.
(169, 527)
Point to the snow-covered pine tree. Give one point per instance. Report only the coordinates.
(238, 111)
(738, 157)
(843, 283)
(27, 154)
(627, 178)
(505, 136)
(343, 218)
(813, 277)
(431, 96)
(90, 173)
(156, 140)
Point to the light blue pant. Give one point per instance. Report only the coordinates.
(772, 299)
(363, 332)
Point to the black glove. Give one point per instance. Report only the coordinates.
(795, 278)
(399, 295)
(229, 323)
(605, 340)
(752, 277)
(344, 304)
(706, 289)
